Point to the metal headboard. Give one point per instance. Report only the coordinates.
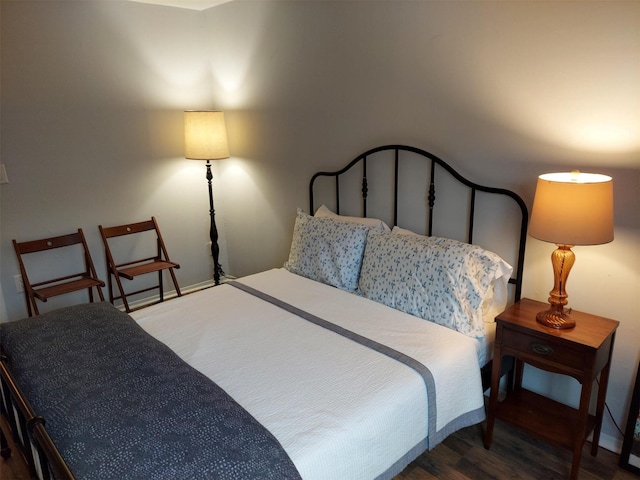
(361, 159)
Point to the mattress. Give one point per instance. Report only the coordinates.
(339, 409)
(484, 345)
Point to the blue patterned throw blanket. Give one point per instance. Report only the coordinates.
(121, 405)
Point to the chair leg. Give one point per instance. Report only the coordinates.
(175, 282)
(32, 306)
(160, 285)
(100, 294)
(92, 297)
(27, 298)
(110, 282)
(123, 296)
(112, 298)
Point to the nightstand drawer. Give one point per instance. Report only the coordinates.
(544, 351)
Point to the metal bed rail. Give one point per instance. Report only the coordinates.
(28, 431)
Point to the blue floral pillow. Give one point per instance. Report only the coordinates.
(438, 279)
(327, 250)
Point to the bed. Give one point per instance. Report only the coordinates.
(365, 349)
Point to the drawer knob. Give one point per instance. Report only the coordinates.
(541, 349)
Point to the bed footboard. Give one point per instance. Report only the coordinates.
(28, 431)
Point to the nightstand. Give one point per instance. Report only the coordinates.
(583, 352)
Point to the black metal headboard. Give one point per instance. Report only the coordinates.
(399, 153)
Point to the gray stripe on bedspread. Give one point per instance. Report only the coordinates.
(120, 404)
(434, 437)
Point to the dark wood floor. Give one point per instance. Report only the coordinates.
(513, 455)
(462, 456)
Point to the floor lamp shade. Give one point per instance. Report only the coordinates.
(205, 135)
(570, 209)
(205, 138)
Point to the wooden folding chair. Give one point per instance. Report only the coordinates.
(45, 289)
(133, 268)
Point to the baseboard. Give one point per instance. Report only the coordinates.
(613, 444)
(169, 294)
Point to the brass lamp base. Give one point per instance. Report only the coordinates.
(556, 318)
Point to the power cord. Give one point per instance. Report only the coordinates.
(610, 414)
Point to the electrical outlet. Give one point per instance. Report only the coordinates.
(19, 284)
(3, 174)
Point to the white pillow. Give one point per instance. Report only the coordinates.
(375, 224)
(327, 250)
(402, 231)
(438, 279)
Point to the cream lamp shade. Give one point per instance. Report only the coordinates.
(205, 135)
(573, 209)
(569, 209)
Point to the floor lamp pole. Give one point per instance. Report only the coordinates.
(213, 232)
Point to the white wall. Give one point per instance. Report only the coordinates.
(93, 95)
(92, 132)
(505, 91)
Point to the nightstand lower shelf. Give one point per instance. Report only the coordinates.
(545, 418)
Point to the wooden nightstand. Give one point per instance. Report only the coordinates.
(582, 352)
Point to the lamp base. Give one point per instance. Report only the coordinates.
(556, 318)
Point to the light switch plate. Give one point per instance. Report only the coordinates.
(3, 174)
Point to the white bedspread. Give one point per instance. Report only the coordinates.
(340, 410)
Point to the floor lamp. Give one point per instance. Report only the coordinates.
(205, 138)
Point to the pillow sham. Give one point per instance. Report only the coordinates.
(495, 300)
(438, 279)
(327, 250)
(374, 224)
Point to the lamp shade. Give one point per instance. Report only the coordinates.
(205, 135)
(573, 208)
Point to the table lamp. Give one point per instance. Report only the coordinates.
(569, 209)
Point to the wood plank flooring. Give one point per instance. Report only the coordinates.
(513, 455)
